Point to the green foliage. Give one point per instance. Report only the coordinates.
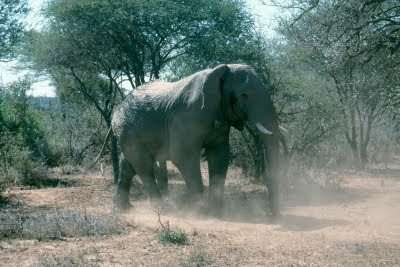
(18, 118)
(245, 153)
(167, 235)
(11, 25)
(73, 133)
(25, 169)
(22, 142)
(346, 75)
(88, 49)
(142, 37)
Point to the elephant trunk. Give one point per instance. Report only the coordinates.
(271, 174)
(268, 128)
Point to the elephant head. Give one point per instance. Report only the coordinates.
(244, 98)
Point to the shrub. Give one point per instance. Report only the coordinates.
(22, 139)
(87, 257)
(58, 224)
(244, 152)
(19, 166)
(167, 235)
(28, 170)
(197, 259)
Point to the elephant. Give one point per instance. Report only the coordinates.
(174, 121)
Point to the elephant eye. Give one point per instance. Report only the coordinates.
(245, 96)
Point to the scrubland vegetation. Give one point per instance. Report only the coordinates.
(333, 71)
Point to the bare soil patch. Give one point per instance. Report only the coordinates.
(356, 222)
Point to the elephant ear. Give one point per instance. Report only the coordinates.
(214, 78)
(228, 104)
(221, 97)
(203, 88)
(212, 84)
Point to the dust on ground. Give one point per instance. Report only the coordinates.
(346, 219)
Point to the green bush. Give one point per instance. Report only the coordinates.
(167, 235)
(22, 139)
(28, 170)
(18, 164)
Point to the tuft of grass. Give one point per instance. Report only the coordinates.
(167, 235)
(195, 232)
(87, 257)
(58, 224)
(197, 259)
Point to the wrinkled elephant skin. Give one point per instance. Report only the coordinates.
(173, 121)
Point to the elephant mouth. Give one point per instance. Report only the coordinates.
(262, 129)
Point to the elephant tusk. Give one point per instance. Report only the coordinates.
(283, 129)
(262, 129)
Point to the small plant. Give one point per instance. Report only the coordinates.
(166, 234)
(195, 232)
(197, 259)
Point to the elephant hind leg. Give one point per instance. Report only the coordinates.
(144, 166)
(126, 173)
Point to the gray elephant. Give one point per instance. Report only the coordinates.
(173, 121)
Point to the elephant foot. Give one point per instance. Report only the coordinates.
(164, 192)
(190, 201)
(216, 213)
(276, 213)
(274, 207)
(215, 209)
(122, 203)
(123, 207)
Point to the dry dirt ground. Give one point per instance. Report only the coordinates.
(353, 219)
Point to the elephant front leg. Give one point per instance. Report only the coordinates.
(188, 163)
(126, 173)
(218, 161)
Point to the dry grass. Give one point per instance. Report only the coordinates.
(340, 219)
(47, 224)
(88, 257)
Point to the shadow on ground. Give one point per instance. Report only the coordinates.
(251, 208)
(51, 182)
(290, 222)
(387, 172)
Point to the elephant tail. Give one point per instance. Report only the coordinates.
(104, 145)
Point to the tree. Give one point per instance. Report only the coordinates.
(335, 39)
(92, 49)
(11, 26)
(22, 139)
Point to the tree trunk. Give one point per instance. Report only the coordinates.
(363, 156)
(354, 150)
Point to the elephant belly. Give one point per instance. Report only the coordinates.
(144, 134)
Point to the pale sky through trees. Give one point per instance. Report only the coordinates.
(10, 71)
